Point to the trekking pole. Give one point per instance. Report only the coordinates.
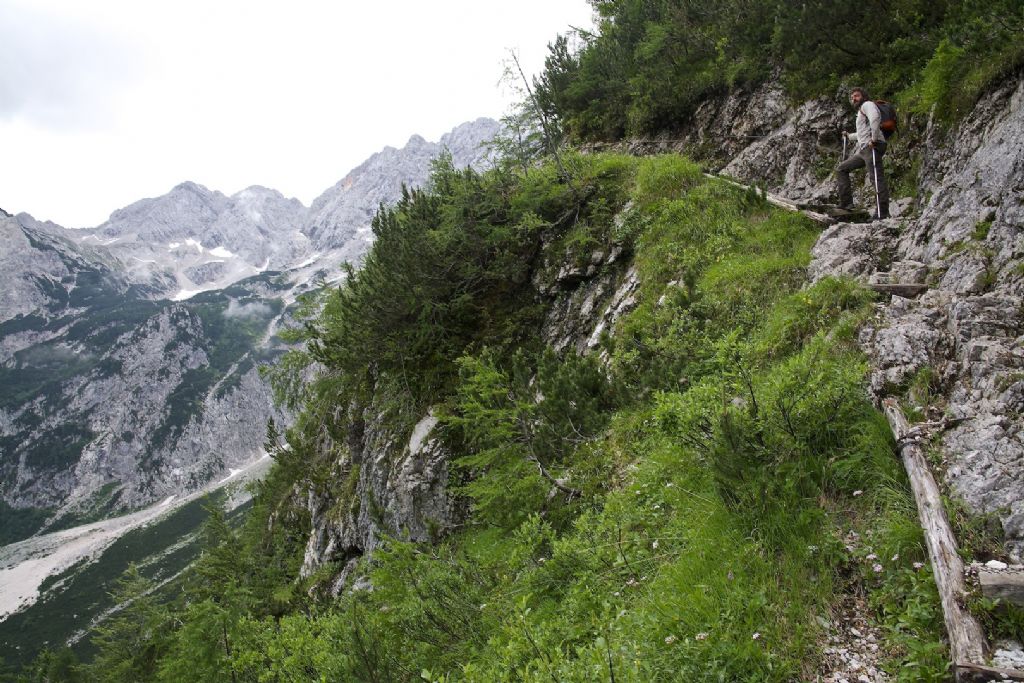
(878, 198)
(843, 158)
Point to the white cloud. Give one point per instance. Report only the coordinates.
(62, 73)
(250, 310)
(232, 94)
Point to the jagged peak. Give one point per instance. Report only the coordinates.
(259, 192)
(190, 186)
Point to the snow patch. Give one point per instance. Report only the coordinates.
(308, 262)
(143, 260)
(173, 245)
(195, 243)
(219, 252)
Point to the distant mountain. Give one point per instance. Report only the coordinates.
(194, 239)
(129, 352)
(340, 217)
(200, 239)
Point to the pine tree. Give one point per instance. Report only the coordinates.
(132, 639)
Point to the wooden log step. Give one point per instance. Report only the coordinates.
(978, 673)
(907, 290)
(781, 202)
(1002, 584)
(844, 215)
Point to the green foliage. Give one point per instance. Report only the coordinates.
(523, 426)
(912, 616)
(447, 267)
(938, 76)
(774, 445)
(664, 177)
(19, 523)
(130, 642)
(650, 65)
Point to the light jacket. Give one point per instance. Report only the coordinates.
(868, 118)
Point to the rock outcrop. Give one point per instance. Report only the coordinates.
(395, 478)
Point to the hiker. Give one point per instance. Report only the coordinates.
(868, 153)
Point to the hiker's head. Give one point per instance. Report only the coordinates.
(857, 97)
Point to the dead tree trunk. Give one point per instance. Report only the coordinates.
(966, 638)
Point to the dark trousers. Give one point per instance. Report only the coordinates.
(864, 159)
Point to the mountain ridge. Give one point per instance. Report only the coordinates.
(162, 316)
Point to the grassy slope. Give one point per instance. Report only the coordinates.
(707, 544)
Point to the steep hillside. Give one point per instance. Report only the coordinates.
(677, 501)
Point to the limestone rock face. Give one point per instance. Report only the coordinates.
(396, 485)
(967, 331)
(340, 217)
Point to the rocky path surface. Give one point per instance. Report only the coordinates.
(853, 653)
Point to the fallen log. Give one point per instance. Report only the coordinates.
(966, 638)
(780, 202)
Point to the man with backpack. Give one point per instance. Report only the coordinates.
(870, 141)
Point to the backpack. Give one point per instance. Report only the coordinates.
(888, 123)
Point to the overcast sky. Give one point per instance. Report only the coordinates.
(107, 101)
